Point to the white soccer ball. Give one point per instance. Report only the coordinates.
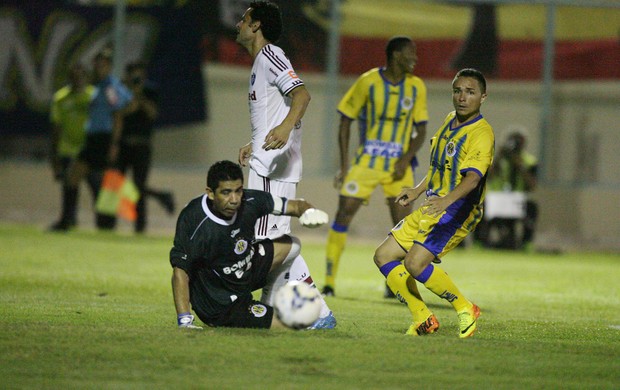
(297, 305)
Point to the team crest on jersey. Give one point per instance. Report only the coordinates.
(407, 103)
(352, 187)
(451, 149)
(258, 310)
(252, 78)
(240, 246)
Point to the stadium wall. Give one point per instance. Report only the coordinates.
(578, 198)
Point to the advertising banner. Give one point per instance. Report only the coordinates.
(40, 40)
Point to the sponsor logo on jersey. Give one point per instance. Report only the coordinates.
(234, 233)
(258, 310)
(274, 227)
(252, 78)
(240, 266)
(451, 149)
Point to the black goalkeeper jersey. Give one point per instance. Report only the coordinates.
(217, 253)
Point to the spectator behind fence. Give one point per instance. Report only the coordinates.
(68, 115)
(514, 171)
(136, 140)
(103, 133)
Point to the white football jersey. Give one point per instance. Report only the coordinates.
(272, 79)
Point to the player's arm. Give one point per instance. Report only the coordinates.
(415, 143)
(438, 204)
(180, 293)
(278, 136)
(300, 208)
(149, 105)
(245, 152)
(180, 290)
(344, 135)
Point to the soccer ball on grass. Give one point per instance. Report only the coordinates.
(297, 305)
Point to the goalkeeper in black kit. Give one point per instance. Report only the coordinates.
(216, 261)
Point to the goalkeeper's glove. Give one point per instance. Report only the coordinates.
(186, 320)
(313, 218)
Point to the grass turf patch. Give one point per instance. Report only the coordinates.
(95, 310)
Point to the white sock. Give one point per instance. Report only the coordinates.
(280, 276)
(299, 271)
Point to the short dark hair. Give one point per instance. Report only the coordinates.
(396, 44)
(270, 18)
(223, 171)
(473, 73)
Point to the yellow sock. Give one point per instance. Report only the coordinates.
(438, 281)
(398, 280)
(335, 246)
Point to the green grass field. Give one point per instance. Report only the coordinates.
(94, 310)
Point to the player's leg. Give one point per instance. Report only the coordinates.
(69, 196)
(336, 239)
(286, 249)
(391, 189)
(418, 262)
(531, 215)
(140, 162)
(388, 258)
(276, 226)
(357, 187)
(77, 170)
(289, 265)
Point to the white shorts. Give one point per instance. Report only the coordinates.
(272, 226)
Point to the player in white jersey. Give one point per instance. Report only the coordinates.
(277, 100)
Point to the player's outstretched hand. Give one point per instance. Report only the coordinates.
(312, 218)
(186, 320)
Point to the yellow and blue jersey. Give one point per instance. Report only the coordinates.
(454, 152)
(388, 112)
(457, 150)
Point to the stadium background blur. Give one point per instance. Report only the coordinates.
(203, 78)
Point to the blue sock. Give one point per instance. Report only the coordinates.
(339, 228)
(387, 268)
(428, 271)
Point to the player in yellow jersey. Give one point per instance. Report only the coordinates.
(390, 103)
(68, 115)
(461, 153)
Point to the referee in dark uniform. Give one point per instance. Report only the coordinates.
(216, 263)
